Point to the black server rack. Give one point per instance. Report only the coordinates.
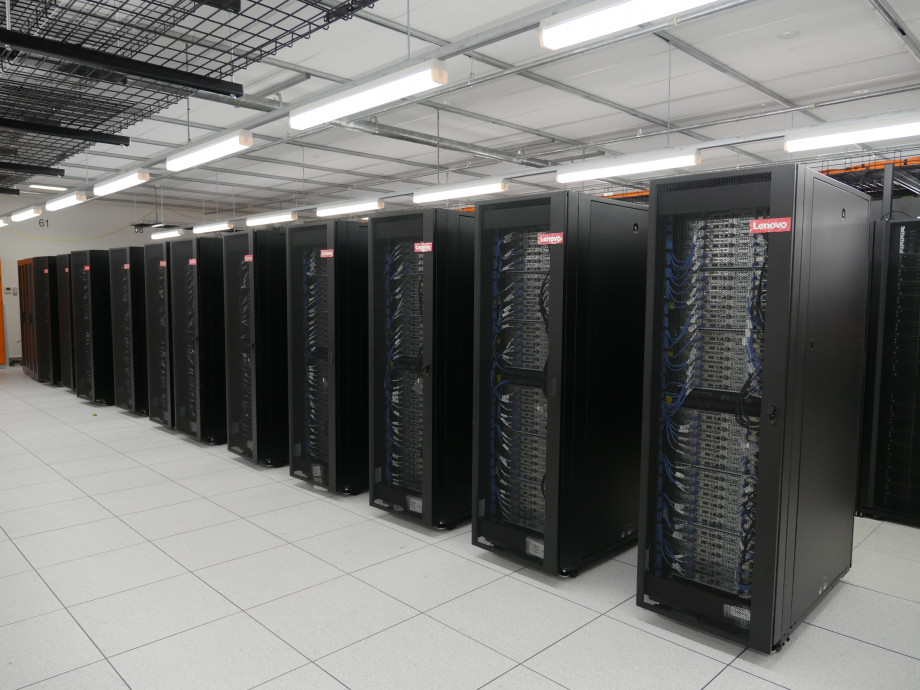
(157, 312)
(890, 477)
(129, 340)
(756, 315)
(65, 321)
(92, 326)
(196, 296)
(327, 349)
(255, 318)
(47, 345)
(29, 358)
(559, 332)
(420, 372)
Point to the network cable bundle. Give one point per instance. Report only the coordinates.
(47, 344)
(129, 340)
(327, 349)
(559, 332)
(157, 314)
(255, 317)
(196, 295)
(92, 326)
(890, 487)
(754, 382)
(420, 295)
(65, 322)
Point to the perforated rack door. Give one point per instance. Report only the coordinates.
(47, 347)
(183, 298)
(156, 296)
(122, 347)
(65, 321)
(240, 317)
(82, 324)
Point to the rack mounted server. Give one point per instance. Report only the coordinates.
(196, 295)
(255, 303)
(65, 320)
(757, 299)
(47, 345)
(559, 333)
(327, 348)
(890, 482)
(92, 326)
(29, 359)
(420, 371)
(129, 340)
(157, 314)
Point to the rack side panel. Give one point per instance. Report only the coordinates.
(65, 321)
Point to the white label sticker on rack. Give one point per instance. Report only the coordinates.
(414, 504)
(248, 258)
(550, 238)
(533, 547)
(327, 253)
(424, 247)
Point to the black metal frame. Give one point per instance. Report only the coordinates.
(92, 326)
(196, 294)
(159, 329)
(592, 429)
(29, 357)
(444, 367)
(811, 403)
(255, 309)
(65, 321)
(47, 345)
(129, 342)
(344, 354)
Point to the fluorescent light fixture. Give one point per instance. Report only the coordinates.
(824, 137)
(345, 209)
(212, 227)
(271, 218)
(4, 222)
(26, 214)
(167, 234)
(408, 82)
(461, 191)
(117, 184)
(48, 187)
(60, 202)
(628, 165)
(158, 225)
(602, 18)
(239, 140)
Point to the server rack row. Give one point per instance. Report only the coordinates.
(26, 276)
(756, 319)
(65, 320)
(129, 342)
(92, 326)
(159, 329)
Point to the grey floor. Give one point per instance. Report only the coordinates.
(132, 556)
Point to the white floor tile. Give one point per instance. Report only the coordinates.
(192, 467)
(108, 482)
(157, 456)
(27, 476)
(733, 679)
(86, 450)
(600, 587)
(145, 614)
(629, 555)
(899, 577)
(25, 596)
(414, 529)
(98, 676)
(817, 659)
(522, 678)
(42, 647)
(513, 618)
(894, 540)
(17, 459)
(223, 482)
(261, 499)
(359, 546)
(462, 545)
(310, 677)
(45, 441)
(90, 466)
(38, 495)
(142, 441)
(108, 573)
(230, 653)
(668, 629)
(876, 618)
(414, 655)
(148, 497)
(212, 545)
(71, 543)
(175, 519)
(427, 577)
(11, 561)
(862, 528)
(330, 616)
(608, 654)
(19, 523)
(267, 575)
(306, 520)
(356, 504)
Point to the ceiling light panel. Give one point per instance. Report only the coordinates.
(121, 182)
(270, 218)
(26, 214)
(65, 201)
(212, 150)
(345, 209)
(460, 191)
(628, 165)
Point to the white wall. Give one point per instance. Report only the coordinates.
(93, 225)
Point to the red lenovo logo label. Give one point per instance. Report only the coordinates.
(67, 269)
(193, 262)
(127, 266)
(248, 258)
(771, 225)
(424, 247)
(86, 268)
(46, 270)
(162, 264)
(327, 253)
(550, 238)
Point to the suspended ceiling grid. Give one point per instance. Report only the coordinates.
(735, 73)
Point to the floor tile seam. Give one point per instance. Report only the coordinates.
(29, 486)
(115, 656)
(127, 488)
(513, 661)
(556, 594)
(520, 567)
(194, 529)
(97, 474)
(52, 503)
(350, 572)
(270, 680)
(857, 639)
(878, 591)
(64, 673)
(72, 617)
(564, 637)
(128, 589)
(229, 560)
(93, 555)
(29, 618)
(264, 512)
(296, 539)
(191, 476)
(395, 528)
(249, 609)
(135, 512)
(884, 553)
(319, 659)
